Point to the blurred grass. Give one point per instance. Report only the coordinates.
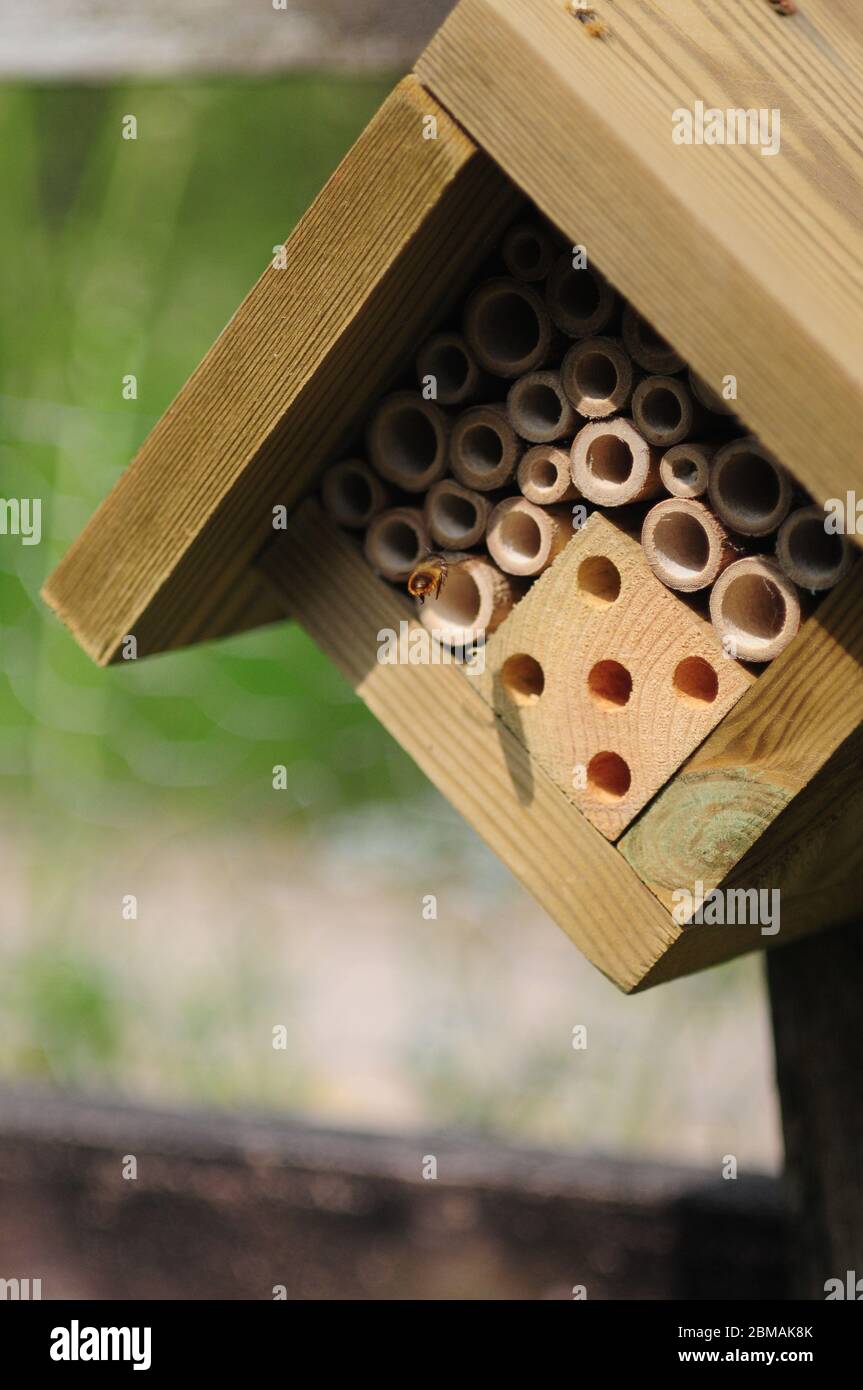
(121, 257)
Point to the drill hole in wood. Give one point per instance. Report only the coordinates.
(695, 681)
(610, 685)
(598, 581)
(522, 678)
(608, 776)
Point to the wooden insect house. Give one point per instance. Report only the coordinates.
(557, 390)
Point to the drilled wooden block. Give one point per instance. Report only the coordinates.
(607, 678)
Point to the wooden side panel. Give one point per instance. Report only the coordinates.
(393, 235)
(469, 754)
(749, 264)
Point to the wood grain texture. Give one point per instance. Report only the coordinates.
(766, 753)
(586, 645)
(812, 852)
(748, 264)
(443, 722)
(372, 266)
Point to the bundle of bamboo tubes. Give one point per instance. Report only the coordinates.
(553, 398)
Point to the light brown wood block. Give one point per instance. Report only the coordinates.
(608, 679)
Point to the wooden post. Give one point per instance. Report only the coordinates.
(815, 991)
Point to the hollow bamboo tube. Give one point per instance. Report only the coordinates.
(597, 377)
(447, 358)
(809, 554)
(664, 410)
(755, 609)
(508, 328)
(710, 399)
(352, 494)
(408, 441)
(544, 475)
(523, 539)
(646, 347)
(474, 600)
(456, 516)
(529, 251)
(685, 544)
(581, 302)
(484, 448)
(396, 541)
(685, 469)
(538, 408)
(748, 489)
(612, 464)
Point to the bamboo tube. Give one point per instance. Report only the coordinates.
(456, 516)
(408, 441)
(474, 600)
(664, 410)
(529, 251)
(352, 494)
(447, 358)
(646, 347)
(544, 475)
(612, 464)
(809, 554)
(685, 469)
(685, 544)
(755, 609)
(484, 448)
(538, 408)
(748, 489)
(710, 399)
(396, 541)
(508, 328)
(597, 376)
(523, 539)
(581, 302)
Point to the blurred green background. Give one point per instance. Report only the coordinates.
(258, 908)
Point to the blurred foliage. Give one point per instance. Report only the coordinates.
(118, 257)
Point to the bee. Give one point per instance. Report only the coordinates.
(589, 18)
(428, 578)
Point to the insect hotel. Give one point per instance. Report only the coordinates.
(531, 427)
